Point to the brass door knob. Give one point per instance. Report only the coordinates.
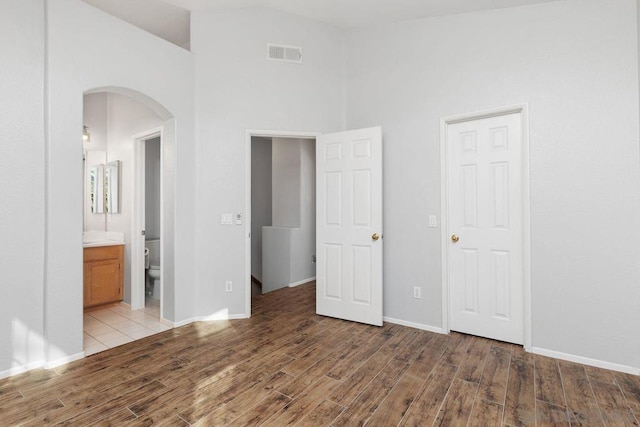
(375, 236)
(454, 238)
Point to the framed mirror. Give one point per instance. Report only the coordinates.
(96, 189)
(112, 187)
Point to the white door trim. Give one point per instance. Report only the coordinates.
(137, 225)
(247, 203)
(523, 111)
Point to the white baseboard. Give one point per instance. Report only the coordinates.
(420, 326)
(184, 322)
(536, 350)
(209, 319)
(41, 364)
(238, 316)
(586, 361)
(221, 317)
(167, 322)
(21, 369)
(64, 360)
(302, 282)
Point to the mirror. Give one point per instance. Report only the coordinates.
(103, 184)
(112, 187)
(96, 189)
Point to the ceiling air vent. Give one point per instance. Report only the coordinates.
(276, 52)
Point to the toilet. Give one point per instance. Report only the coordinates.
(152, 266)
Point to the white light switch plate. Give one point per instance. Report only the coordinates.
(433, 221)
(226, 219)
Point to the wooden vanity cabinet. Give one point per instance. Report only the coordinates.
(103, 275)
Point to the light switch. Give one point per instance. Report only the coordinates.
(226, 219)
(433, 221)
(238, 218)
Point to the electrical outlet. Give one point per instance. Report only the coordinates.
(417, 292)
(228, 286)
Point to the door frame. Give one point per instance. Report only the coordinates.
(247, 203)
(137, 239)
(523, 111)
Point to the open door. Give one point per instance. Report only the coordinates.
(349, 225)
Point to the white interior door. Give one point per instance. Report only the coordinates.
(138, 243)
(485, 227)
(349, 225)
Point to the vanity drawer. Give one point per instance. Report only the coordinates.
(100, 253)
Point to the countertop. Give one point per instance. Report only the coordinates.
(96, 239)
(102, 243)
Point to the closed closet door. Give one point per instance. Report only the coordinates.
(485, 241)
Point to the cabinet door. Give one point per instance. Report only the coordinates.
(102, 282)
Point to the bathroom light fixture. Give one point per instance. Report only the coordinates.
(86, 136)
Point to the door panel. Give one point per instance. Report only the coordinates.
(349, 214)
(484, 174)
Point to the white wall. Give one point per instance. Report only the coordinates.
(286, 174)
(22, 76)
(576, 63)
(94, 115)
(89, 49)
(152, 188)
(126, 118)
(238, 89)
(261, 200)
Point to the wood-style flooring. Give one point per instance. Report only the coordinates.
(287, 365)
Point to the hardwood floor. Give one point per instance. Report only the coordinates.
(286, 365)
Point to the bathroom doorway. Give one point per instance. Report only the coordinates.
(152, 210)
(113, 148)
(281, 212)
(146, 286)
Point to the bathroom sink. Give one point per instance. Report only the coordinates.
(102, 238)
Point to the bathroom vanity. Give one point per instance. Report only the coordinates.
(103, 273)
(103, 250)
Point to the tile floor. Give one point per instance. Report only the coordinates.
(112, 326)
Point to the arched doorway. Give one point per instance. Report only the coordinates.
(121, 122)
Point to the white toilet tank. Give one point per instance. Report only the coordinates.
(154, 251)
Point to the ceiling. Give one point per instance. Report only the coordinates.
(165, 20)
(358, 13)
(169, 19)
